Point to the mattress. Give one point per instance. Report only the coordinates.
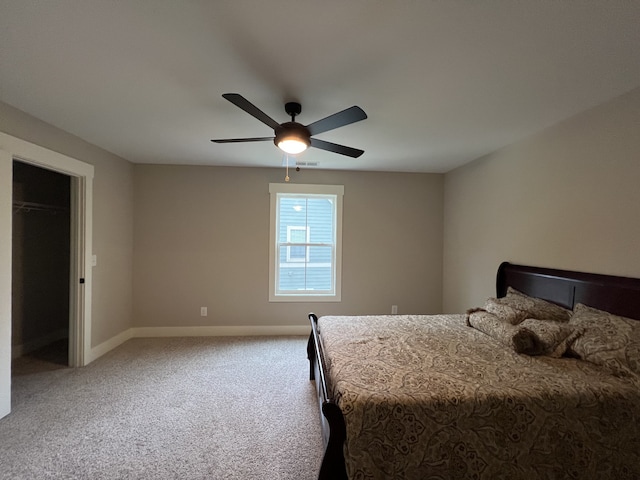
(430, 397)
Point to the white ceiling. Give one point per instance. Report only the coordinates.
(443, 82)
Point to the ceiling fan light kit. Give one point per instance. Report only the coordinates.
(291, 145)
(293, 137)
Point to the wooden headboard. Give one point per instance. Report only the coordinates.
(618, 295)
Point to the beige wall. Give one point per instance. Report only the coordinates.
(202, 236)
(566, 198)
(112, 218)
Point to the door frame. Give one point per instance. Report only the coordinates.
(81, 173)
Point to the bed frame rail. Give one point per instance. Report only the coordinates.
(334, 431)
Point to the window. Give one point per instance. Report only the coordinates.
(305, 247)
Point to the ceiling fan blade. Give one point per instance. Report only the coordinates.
(241, 140)
(335, 148)
(241, 102)
(345, 117)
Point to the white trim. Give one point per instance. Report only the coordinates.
(222, 331)
(203, 331)
(43, 157)
(113, 342)
(6, 218)
(306, 189)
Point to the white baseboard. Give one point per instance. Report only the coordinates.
(209, 331)
(110, 344)
(220, 331)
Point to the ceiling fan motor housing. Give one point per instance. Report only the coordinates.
(293, 130)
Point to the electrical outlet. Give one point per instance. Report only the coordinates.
(394, 309)
(203, 311)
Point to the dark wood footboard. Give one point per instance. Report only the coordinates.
(333, 427)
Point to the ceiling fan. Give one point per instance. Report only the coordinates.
(293, 137)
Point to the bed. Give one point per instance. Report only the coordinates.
(406, 396)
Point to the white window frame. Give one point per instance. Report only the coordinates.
(287, 189)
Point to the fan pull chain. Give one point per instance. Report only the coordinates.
(286, 178)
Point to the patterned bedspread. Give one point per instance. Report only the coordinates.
(427, 397)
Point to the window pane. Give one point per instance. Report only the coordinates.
(319, 270)
(314, 275)
(292, 212)
(315, 213)
(298, 235)
(297, 253)
(320, 218)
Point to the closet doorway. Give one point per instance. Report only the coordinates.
(41, 269)
(81, 174)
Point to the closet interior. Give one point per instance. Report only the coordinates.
(40, 269)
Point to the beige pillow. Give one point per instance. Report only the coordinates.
(531, 336)
(608, 340)
(536, 307)
(551, 338)
(519, 339)
(506, 309)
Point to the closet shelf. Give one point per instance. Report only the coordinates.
(20, 206)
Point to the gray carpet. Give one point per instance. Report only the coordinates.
(168, 408)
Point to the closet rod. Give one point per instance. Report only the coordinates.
(19, 206)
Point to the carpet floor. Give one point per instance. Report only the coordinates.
(168, 408)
